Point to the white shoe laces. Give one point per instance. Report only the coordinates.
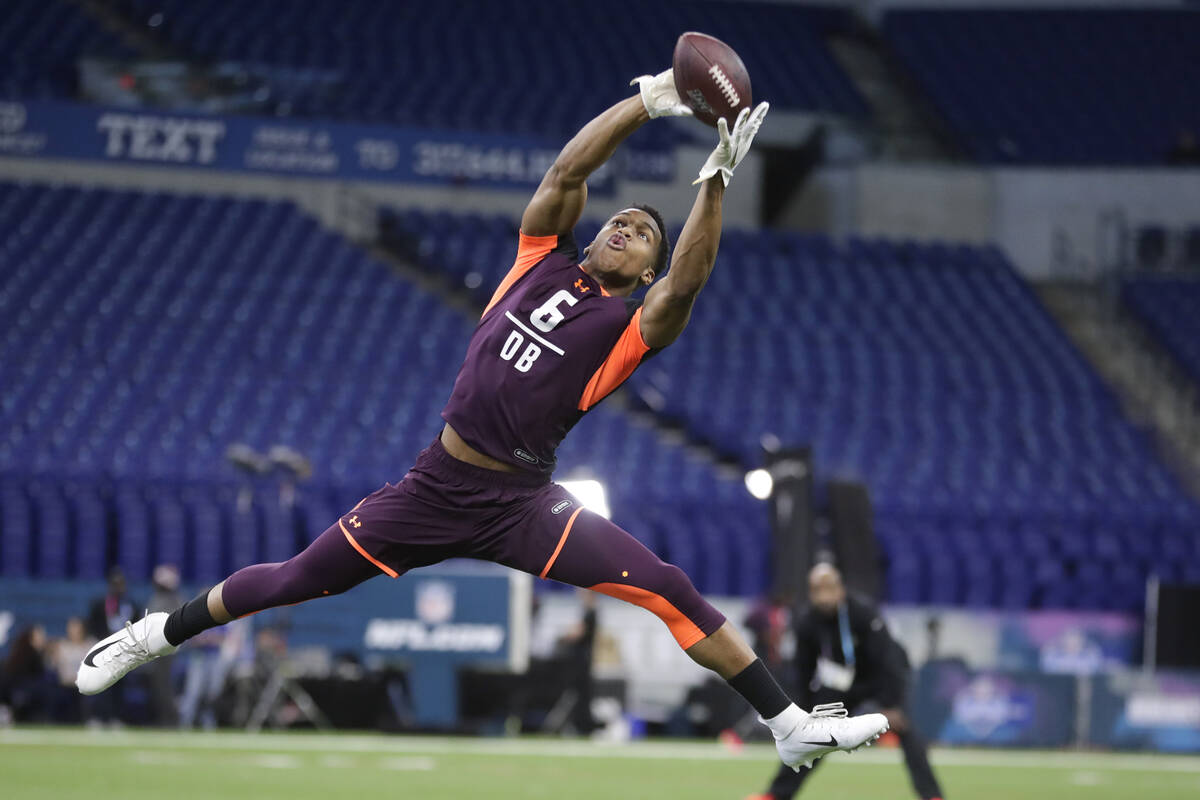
(129, 650)
(829, 710)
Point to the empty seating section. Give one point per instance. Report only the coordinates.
(1002, 471)
(1169, 307)
(1076, 86)
(472, 252)
(499, 66)
(1026, 86)
(40, 43)
(144, 333)
(932, 373)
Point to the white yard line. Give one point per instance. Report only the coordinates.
(409, 764)
(549, 748)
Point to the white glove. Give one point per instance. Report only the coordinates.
(733, 146)
(659, 95)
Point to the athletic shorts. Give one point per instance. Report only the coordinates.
(446, 508)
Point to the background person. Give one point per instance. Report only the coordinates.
(845, 654)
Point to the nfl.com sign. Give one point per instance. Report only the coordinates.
(433, 630)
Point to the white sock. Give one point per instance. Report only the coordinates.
(785, 721)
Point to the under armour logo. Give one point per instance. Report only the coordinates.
(579, 285)
(354, 521)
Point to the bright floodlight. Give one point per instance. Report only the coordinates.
(591, 494)
(759, 483)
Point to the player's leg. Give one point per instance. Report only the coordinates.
(916, 758)
(596, 554)
(429, 516)
(328, 566)
(786, 783)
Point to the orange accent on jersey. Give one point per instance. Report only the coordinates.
(622, 360)
(686, 632)
(391, 573)
(603, 291)
(580, 286)
(530, 250)
(561, 541)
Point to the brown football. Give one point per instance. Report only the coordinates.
(710, 77)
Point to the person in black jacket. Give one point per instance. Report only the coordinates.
(26, 683)
(106, 615)
(844, 653)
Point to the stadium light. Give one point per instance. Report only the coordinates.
(591, 493)
(759, 483)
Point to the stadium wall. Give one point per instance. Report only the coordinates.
(1053, 223)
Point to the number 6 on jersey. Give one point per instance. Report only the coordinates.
(547, 316)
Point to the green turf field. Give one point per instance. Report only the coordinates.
(63, 764)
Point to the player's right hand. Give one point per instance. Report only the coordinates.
(659, 95)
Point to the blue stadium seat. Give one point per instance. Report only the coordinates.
(1056, 86)
(41, 42)
(928, 370)
(185, 324)
(446, 65)
(91, 527)
(17, 530)
(1169, 308)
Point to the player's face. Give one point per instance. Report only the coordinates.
(826, 592)
(625, 249)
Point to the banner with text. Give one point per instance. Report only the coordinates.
(1147, 711)
(955, 704)
(435, 622)
(303, 148)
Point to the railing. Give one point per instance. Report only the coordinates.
(1161, 392)
(357, 215)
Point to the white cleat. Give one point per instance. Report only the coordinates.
(807, 737)
(112, 659)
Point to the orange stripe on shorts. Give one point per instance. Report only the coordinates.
(561, 541)
(391, 573)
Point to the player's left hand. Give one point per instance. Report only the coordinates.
(733, 146)
(659, 95)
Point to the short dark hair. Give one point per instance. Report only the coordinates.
(664, 242)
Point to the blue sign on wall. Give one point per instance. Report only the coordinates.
(279, 146)
(434, 620)
(958, 705)
(1156, 711)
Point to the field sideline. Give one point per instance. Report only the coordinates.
(68, 763)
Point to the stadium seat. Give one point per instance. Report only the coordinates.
(1056, 86)
(451, 65)
(928, 370)
(41, 42)
(1168, 307)
(162, 352)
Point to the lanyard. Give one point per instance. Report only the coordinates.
(844, 628)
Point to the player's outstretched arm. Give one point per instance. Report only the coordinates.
(668, 304)
(559, 200)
